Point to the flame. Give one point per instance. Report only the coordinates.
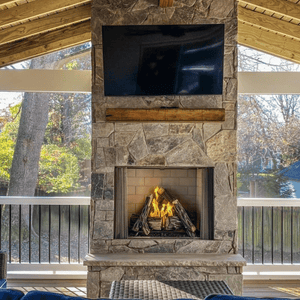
(161, 210)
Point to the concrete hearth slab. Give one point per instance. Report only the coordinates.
(165, 259)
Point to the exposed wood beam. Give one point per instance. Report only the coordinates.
(270, 23)
(165, 115)
(35, 9)
(283, 7)
(48, 23)
(268, 42)
(45, 43)
(6, 2)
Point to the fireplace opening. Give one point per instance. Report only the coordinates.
(164, 203)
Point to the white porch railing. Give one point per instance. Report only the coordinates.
(269, 237)
(45, 237)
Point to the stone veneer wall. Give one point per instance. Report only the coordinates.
(231, 275)
(164, 144)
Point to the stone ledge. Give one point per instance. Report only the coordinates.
(165, 259)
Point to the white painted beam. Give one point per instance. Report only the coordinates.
(46, 271)
(268, 202)
(65, 81)
(62, 81)
(261, 83)
(271, 272)
(26, 200)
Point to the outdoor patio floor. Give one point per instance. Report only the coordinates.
(278, 289)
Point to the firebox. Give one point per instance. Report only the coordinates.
(164, 203)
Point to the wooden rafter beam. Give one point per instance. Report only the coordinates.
(52, 22)
(35, 9)
(269, 42)
(269, 23)
(283, 7)
(6, 2)
(45, 43)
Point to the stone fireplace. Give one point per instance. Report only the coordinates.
(195, 161)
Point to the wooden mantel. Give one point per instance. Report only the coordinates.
(165, 115)
(165, 3)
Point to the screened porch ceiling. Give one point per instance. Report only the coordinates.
(29, 28)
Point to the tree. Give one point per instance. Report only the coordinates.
(33, 124)
(268, 129)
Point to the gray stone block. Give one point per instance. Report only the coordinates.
(103, 129)
(210, 130)
(141, 244)
(152, 160)
(188, 154)
(93, 285)
(235, 282)
(112, 274)
(138, 148)
(155, 130)
(97, 185)
(222, 146)
(104, 205)
(179, 273)
(123, 138)
(103, 230)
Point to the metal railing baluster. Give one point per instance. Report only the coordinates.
(282, 235)
(243, 229)
(40, 232)
(59, 232)
(0, 225)
(253, 228)
(49, 233)
(292, 235)
(272, 235)
(29, 237)
(262, 236)
(78, 236)
(9, 233)
(20, 233)
(69, 236)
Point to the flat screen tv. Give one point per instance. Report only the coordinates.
(163, 60)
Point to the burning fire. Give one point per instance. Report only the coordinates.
(161, 209)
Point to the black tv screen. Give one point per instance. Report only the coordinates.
(163, 60)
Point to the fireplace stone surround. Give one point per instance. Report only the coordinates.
(163, 145)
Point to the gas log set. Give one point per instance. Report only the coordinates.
(162, 216)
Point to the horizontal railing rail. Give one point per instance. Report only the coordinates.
(262, 202)
(44, 230)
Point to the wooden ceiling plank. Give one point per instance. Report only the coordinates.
(45, 43)
(268, 42)
(283, 7)
(52, 22)
(35, 9)
(269, 23)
